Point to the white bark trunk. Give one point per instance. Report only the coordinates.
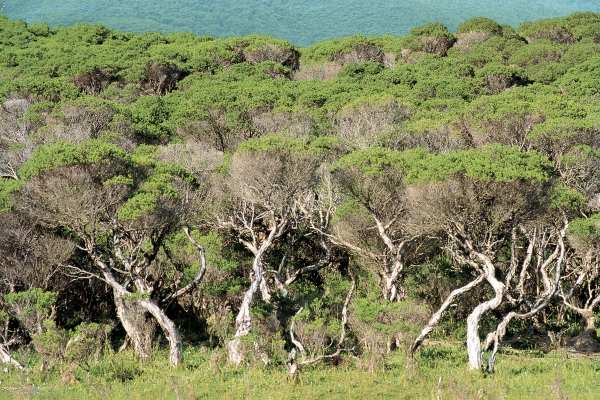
(243, 321)
(473, 340)
(167, 325)
(295, 366)
(138, 328)
(392, 291)
(264, 291)
(169, 329)
(590, 322)
(6, 358)
(437, 316)
(589, 319)
(201, 271)
(550, 288)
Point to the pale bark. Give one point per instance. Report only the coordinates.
(473, 320)
(169, 329)
(587, 283)
(588, 316)
(283, 278)
(392, 259)
(586, 341)
(265, 293)
(437, 316)
(132, 329)
(139, 330)
(590, 322)
(6, 358)
(525, 266)
(494, 339)
(243, 319)
(392, 291)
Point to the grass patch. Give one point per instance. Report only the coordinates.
(439, 372)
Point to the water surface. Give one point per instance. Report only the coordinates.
(300, 21)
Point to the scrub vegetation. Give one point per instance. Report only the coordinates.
(402, 216)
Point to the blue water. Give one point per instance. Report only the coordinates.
(300, 21)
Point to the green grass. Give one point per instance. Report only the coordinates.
(440, 373)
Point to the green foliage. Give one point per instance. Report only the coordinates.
(524, 374)
(389, 318)
(217, 257)
(504, 164)
(137, 296)
(158, 187)
(582, 80)
(584, 25)
(33, 309)
(431, 29)
(88, 341)
(52, 89)
(60, 154)
(150, 115)
(33, 303)
(491, 163)
(7, 188)
(496, 49)
(360, 70)
(509, 72)
(157, 184)
(566, 198)
(553, 29)
(51, 342)
(586, 228)
(329, 50)
(376, 160)
(480, 24)
(119, 180)
(541, 61)
(291, 146)
(117, 368)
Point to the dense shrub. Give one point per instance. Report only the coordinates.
(293, 206)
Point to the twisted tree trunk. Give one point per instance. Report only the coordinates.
(243, 321)
(392, 289)
(590, 322)
(169, 329)
(473, 320)
(139, 328)
(587, 341)
(127, 316)
(550, 288)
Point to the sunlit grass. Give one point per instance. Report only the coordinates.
(439, 373)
